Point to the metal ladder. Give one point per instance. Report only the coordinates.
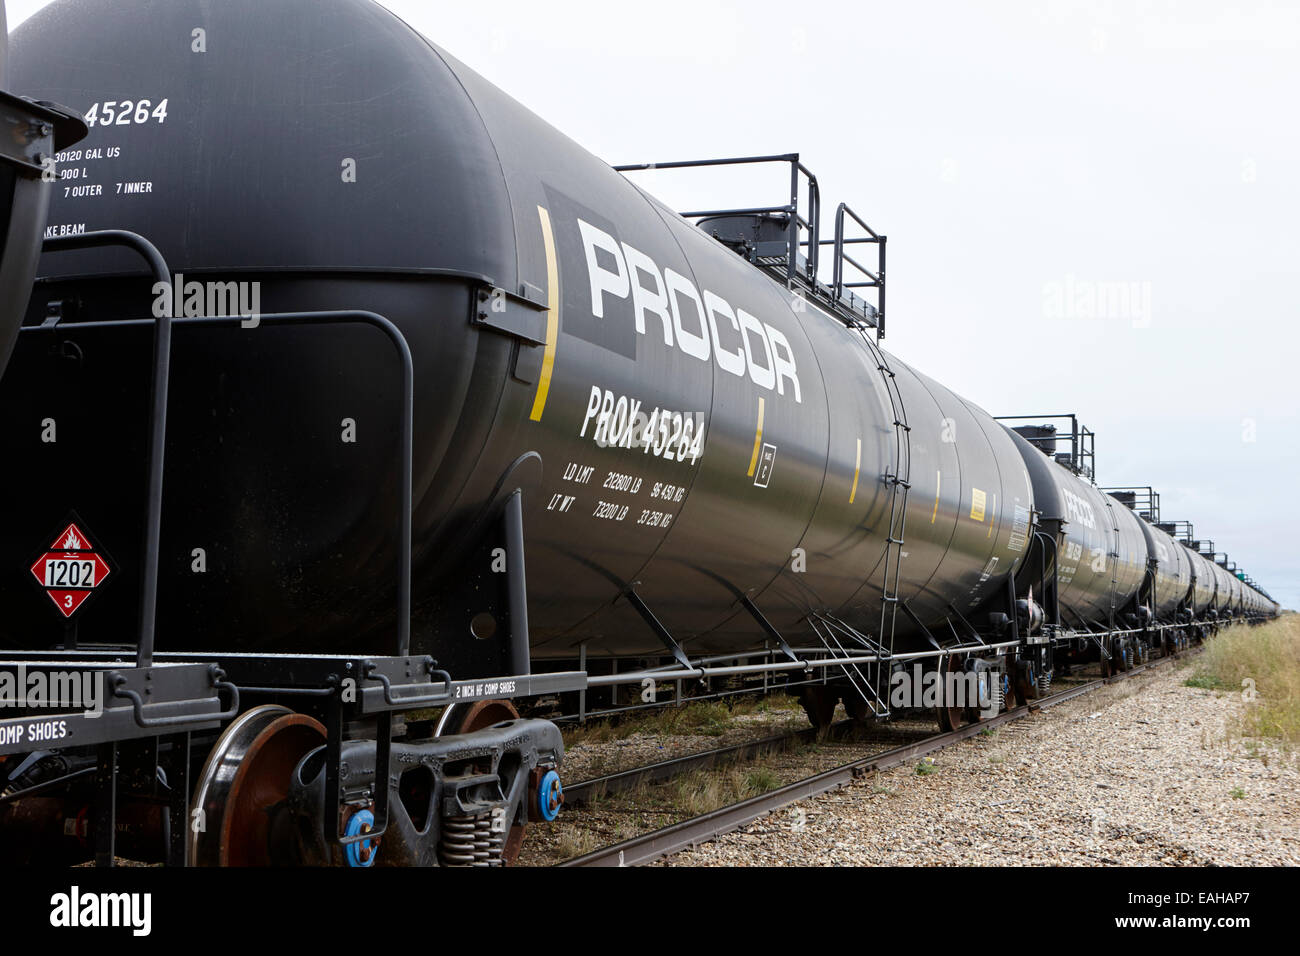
(1112, 559)
(871, 691)
(900, 481)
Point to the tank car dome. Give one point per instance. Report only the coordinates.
(267, 135)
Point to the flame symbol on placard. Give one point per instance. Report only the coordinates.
(71, 542)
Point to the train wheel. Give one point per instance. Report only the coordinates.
(855, 706)
(1109, 657)
(1009, 689)
(950, 717)
(819, 702)
(1026, 682)
(246, 775)
(466, 718)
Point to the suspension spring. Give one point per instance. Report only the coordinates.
(468, 840)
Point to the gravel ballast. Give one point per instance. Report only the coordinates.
(1138, 773)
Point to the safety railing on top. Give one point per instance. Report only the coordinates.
(796, 258)
(842, 289)
(1082, 456)
(1142, 499)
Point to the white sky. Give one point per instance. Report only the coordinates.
(1006, 152)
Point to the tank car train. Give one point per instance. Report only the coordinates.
(355, 407)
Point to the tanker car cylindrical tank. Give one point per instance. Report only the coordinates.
(1100, 551)
(1172, 577)
(1203, 588)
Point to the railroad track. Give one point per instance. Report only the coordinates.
(625, 780)
(657, 844)
(622, 781)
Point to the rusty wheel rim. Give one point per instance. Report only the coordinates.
(246, 776)
(950, 718)
(467, 718)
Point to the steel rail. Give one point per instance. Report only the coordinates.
(624, 780)
(663, 842)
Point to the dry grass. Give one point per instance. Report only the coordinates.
(577, 842)
(706, 718)
(705, 791)
(1263, 665)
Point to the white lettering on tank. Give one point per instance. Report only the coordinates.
(694, 344)
(621, 270)
(734, 361)
(763, 374)
(645, 298)
(602, 280)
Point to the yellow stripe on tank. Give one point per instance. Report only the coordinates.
(758, 440)
(857, 470)
(552, 315)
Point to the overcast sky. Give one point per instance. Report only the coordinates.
(1021, 158)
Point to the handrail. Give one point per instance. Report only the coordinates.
(852, 310)
(876, 279)
(113, 237)
(1083, 441)
(812, 223)
(162, 346)
(138, 706)
(406, 432)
